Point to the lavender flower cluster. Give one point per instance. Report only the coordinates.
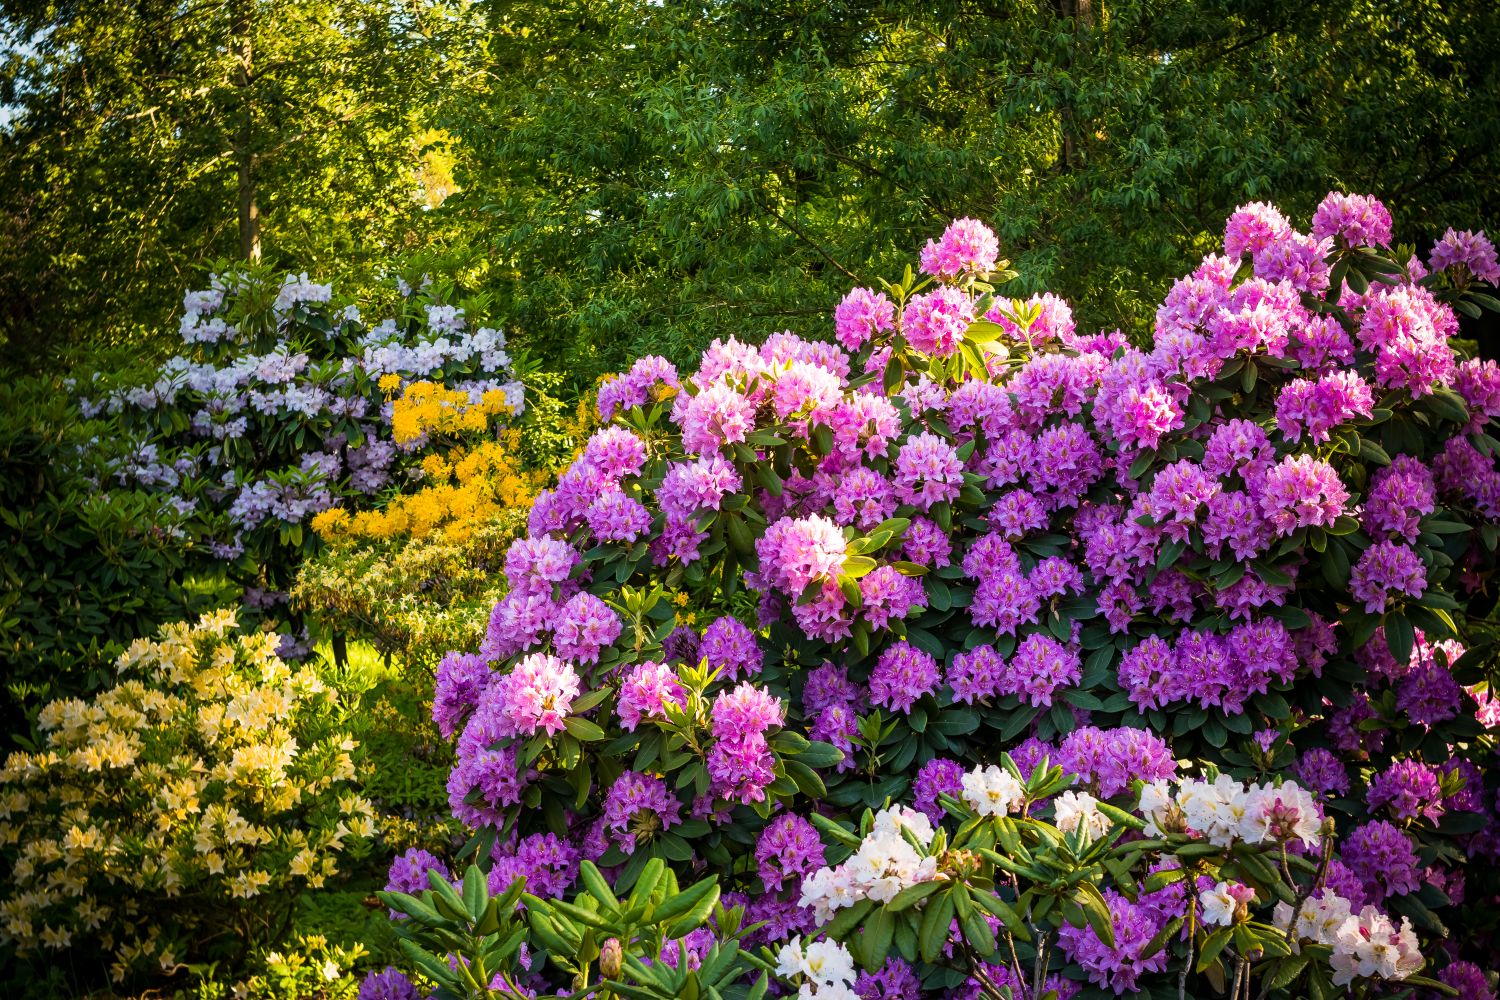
(1246, 541)
(279, 406)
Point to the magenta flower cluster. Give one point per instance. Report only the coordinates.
(857, 569)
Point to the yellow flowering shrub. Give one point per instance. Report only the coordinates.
(465, 488)
(176, 815)
(467, 478)
(429, 409)
(420, 576)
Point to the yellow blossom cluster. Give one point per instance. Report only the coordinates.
(430, 409)
(468, 477)
(203, 790)
(465, 488)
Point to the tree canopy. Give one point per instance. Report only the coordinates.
(645, 176)
(148, 139)
(681, 171)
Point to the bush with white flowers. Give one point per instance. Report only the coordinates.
(280, 406)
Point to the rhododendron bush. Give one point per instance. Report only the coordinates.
(285, 401)
(1155, 665)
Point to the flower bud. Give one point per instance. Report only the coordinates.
(610, 958)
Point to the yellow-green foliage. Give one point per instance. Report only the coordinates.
(176, 815)
(413, 597)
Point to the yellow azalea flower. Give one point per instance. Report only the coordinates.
(56, 937)
(249, 883)
(302, 862)
(329, 523)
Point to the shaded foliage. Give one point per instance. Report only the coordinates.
(666, 167)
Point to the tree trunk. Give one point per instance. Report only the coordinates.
(1081, 13)
(249, 209)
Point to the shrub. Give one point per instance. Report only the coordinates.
(648, 944)
(419, 575)
(1245, 549)
(278, 407)
(176, 816)
(412, 598)
(82, 572)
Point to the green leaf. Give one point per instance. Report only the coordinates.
(809, 782)
(833, 829)
(1211, 948)
(594, 882)
(476, 893)
(582, 729)
(913, 894)
(934, 930)
(1005, 913)
(1400, 637)
(846, 920)
(687, 902)
(895, 375)
(820, 755)
(879, 929)
(982, 331)
(1372, 452)
(1288, 969)
(1096, 910)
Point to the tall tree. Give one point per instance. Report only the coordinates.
(148, 138)
(656, 174)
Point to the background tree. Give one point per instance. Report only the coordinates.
(149, 138)
(651, 169)
(629, 175)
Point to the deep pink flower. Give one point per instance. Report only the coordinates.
(862, 314)
(1301, 491)
(937, 321)
(1354, 220)
(967, 246)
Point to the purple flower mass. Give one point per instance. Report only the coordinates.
(1146, 557)
(902, 676)
(1383, 858)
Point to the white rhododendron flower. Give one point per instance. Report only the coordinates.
(1217, 905)
(1366, 945)
(1079, 810)
(992, 791)
(1225, 812)
(893, 820)
(827, 966)
(884, 864)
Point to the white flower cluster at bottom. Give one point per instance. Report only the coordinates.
(1365, 944)
(884, 864)
(827, 968)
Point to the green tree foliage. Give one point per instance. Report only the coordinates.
(649, 170)
(148, 138)
(631, 175)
